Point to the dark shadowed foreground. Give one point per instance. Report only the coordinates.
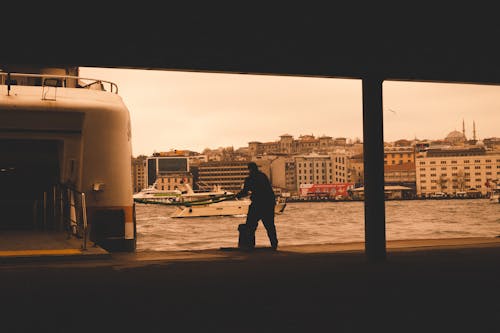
(418, 289)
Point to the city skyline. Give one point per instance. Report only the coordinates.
(193, 111)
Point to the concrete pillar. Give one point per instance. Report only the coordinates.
(373, 152)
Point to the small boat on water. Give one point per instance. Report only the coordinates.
(190, 203)
(227, 206)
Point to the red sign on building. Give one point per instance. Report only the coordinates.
(326, 190)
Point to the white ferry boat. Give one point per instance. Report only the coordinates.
(65, 147)
(153, 194)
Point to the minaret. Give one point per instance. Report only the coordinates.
(474, 130)
(463, 129)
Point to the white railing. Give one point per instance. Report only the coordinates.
(50, 80)
(70, 210)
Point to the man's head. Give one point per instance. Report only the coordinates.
(252, 167)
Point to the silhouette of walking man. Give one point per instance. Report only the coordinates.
(261, 208)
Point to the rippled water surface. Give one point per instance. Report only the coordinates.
(320, 223)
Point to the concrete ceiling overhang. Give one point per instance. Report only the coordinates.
(405, 43)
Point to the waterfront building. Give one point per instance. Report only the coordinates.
(139, 169)
(399, 155)
(165, 166)
(229, 175)
(401, 175)
(283, 173)
(167, 181)
(321, 169)
(456, 169)
(355, 169)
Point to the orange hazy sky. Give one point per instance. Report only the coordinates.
(191, 110)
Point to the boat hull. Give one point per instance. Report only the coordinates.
(223, 208)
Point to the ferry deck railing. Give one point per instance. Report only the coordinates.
(50, 80)
(69, 212)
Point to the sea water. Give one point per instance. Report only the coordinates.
(320, 223)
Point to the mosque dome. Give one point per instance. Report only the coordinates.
(455, 136)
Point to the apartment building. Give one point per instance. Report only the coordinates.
(139, 169)
(455, 170)
(399, 155)
(321, 169)
(229, 175)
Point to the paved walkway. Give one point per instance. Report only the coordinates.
(45, 246)
(449, 285)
